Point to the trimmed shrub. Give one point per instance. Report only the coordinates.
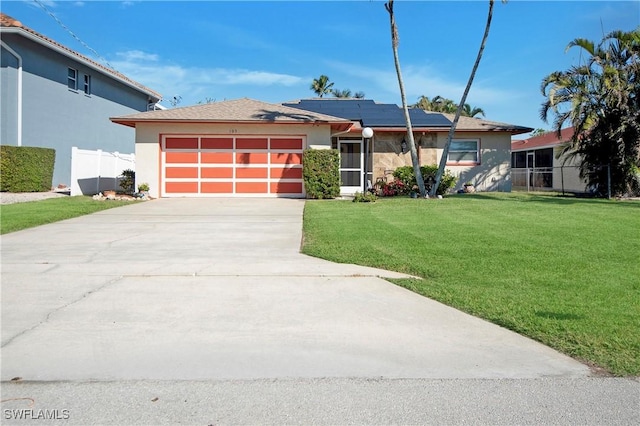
(405, 175)
(368, 197)
(127, 181)
(26, 168)
(321, 173)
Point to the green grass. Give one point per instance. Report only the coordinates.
(14, 217)
(563, 271)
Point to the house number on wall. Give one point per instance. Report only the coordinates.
(233, 130)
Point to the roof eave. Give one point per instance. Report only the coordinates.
(131, 122)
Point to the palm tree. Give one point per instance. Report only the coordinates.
(321, 85)
(346, 93)
(405, 108)
(601, 100)
(359, 95)
(423, 103)
(445, 105)
(445, 151)
(467, 111)
(538, 132)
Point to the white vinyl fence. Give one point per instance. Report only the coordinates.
(97, 171)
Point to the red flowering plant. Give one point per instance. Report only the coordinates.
(391, 189)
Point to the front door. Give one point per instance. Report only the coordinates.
(351, 161)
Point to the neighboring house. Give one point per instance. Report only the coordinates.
(56, 98)
(537, 164)
(246, 147)
(479, 153)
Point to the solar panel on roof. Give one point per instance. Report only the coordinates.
(371, 114)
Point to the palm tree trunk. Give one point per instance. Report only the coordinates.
(405, 108)
(445, 152)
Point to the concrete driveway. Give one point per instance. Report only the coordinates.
(199, 289)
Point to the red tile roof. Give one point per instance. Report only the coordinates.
(13, 25)
(546, 140)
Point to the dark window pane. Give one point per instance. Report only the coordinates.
(350, 156)
(350, 178)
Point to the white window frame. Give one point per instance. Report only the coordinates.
(87, 84)
(72, 80)
(465, 162)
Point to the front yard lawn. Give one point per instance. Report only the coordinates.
(563, 271)
(14, 217)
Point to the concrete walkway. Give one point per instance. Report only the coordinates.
(215, 292)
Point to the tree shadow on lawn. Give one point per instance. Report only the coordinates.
(557, 199)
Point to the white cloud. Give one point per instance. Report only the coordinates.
(192, 83)
(427, 81)
(137, 55)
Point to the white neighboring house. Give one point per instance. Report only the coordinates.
(537, 164)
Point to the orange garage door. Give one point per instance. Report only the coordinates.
(223, 165)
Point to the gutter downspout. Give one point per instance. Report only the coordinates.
(19, 58)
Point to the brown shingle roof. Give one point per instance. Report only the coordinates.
(10, 23)
(476, 124)
(238, 110)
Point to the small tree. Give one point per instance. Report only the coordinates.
(127, 181)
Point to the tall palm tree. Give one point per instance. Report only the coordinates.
(359, 95)
(601, 100)
(405, 108)
(445, 151)
(321, 85)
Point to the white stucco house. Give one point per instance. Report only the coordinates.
(246, 147)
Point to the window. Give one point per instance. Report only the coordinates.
(72, 79)
(87, 84)
(519, 159)
(464, 152)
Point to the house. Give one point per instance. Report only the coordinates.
(480, 149)
(54, 97)
(537, 163)
(239, 147)
(246, 147)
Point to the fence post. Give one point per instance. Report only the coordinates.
(74, 170)
(609, 181)
(528, 177)
(99, 170)
(117, 166)
(562, 178)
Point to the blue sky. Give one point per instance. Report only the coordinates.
(272, 50)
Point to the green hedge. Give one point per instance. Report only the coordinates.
(321, 173)
(26, 168)
(408, 178)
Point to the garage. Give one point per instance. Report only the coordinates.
(232, 148)
(213, 165)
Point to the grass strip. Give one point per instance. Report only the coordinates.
(563, 271)
(14, 217)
